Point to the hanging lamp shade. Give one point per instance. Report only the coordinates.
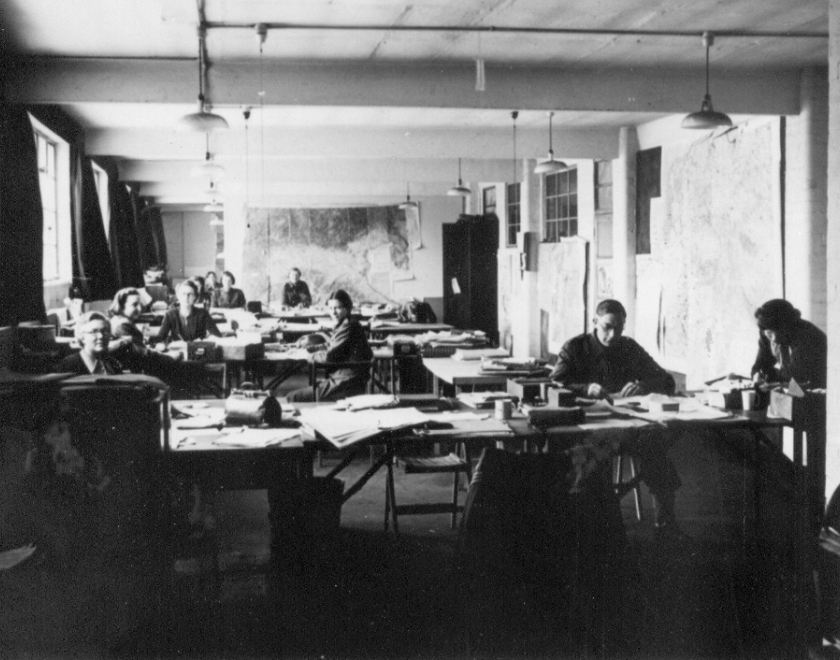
(214, 207)
(707, 117)
(551, 165)
(217, 221)
(202, 121)
(407, 204)
(460, 190)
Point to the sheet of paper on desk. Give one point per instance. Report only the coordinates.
(207, 419)
(259, 438)
(344, 428)
(690, 410)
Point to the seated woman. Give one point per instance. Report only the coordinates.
(93, 332)
(228, 296)
(347, 343)
(188, 322)
(124, 312)
(205, 295)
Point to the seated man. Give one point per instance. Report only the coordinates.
(603, 363)
(296, 291)
(789, 346)
(93, 332)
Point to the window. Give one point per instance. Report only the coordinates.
(54, 182)
(561, 208)
(48, 180)
(100, 179)
(648, 175)
(514, 217)
(488, 196)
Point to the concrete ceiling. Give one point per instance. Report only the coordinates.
(361, 97)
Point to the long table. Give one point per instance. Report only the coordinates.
(465, 373)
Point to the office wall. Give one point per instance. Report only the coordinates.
(190, 243)
(716, 236)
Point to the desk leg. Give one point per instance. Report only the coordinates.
(373, 469)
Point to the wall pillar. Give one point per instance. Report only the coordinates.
(833, 247)
(806, 200)
(624, 224)
(526, 325)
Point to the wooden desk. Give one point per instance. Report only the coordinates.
(235, 468)
(462, 373)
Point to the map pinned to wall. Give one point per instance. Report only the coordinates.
(562, 289)
(361, 250)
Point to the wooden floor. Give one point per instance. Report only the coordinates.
(364, 594)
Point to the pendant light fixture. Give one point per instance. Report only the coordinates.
(707, 117)
(202, 121)
(209, 168)
(514, 115)
(551, 165)
(460, 190)
(214, 207)
(217, 221)
(407, 204)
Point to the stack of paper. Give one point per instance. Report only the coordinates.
(478, 353)
(343, 428)
(482, 399)
(365, 401)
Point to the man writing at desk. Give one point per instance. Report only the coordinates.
(603, 364)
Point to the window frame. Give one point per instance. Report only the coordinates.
(513, 219)
(560, 191)
(57, 250)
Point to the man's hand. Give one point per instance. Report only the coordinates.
(632, 389)
(596, 391)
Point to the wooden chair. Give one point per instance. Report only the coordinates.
(633, 485)
(452, 463)
(207, 381)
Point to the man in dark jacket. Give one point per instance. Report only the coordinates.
(603, 364)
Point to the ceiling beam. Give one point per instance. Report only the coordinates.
(236, 83)
(353, 142)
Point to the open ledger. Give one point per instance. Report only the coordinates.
(344, 428)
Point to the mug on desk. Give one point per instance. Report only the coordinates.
(504, 408)
(749, 400)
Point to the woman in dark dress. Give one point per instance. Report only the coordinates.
(347, 343)
(124, 312)
(188, 322)
(228, 296)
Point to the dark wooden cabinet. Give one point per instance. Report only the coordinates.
(470, 248)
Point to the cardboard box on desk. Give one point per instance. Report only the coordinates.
(527, 389)
(203, 351)
(797, 405)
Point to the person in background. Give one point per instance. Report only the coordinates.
(124, 311)
(187, 322)
(603, 364)
(93, 332)
(228, 296)
(296, 291)
(212, 285)
(205, 295)
(347, 343)
(789, 347)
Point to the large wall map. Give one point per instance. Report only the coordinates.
(717, 251)
(361, 250)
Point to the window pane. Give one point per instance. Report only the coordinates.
(551, 184)
(572, 206)
(572, 180)
(551, 208)
(563, 183)
(573, 227)
(604, 172)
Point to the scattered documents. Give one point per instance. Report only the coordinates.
(478, 353)
(344, 428)
(482, 399)
(646, 407)
(365, 401)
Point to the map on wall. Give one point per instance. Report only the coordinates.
(361, 250)
(562, 290)
(717, 250)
